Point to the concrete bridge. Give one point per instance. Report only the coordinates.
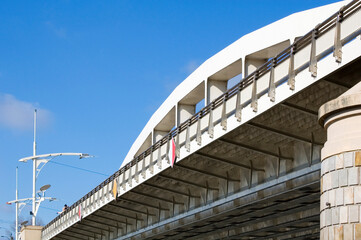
(249, 163)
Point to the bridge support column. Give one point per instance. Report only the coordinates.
(31, 233)
(340, 203)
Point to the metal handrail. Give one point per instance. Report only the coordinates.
(299, 44)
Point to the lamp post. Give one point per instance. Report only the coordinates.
(22, 202)
(42, 159)
(19, 203)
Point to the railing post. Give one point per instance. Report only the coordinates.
(130, 177)
(188, 138)
(210, 122)
(313, 57)
(136, 173)
(177, 148)
(224, 112)
(168, 148)
(291, 69)
(337, 49)
(150, 162)
(238, 104)
(159, 160)
(254, 104)
(199, 131)
(123, 181)
(272, 86)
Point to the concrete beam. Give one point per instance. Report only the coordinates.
(109, 219)
(300, 109)
(155, 197)
(128, 209)
(187, 182)
(85, 232)
(206, 173)
(173, 191)
(211, 157)
(282, 133)
(78, 227)
(98, 222)
(143, 204)
(253, 149)
(116, 213)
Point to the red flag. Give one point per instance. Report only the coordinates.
(79, 212)
(172, 156)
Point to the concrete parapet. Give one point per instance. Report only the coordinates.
(31, 233)
(340, 203)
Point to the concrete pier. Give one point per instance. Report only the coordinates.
(340, 203)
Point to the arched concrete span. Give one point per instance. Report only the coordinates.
(249, 162)
(210, 79)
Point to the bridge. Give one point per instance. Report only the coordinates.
(249, 163)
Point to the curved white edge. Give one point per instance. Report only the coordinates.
(287, 28)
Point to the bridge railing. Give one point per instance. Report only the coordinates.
(326, 38)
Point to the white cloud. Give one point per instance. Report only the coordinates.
(191, 66)
(18, 115)
(58, 31)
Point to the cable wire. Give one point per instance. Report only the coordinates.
(78, 168)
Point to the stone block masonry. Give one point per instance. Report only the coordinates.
(340, 202)
(341, 196)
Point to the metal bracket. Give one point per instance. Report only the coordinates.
(126, 225)
(136, 222)
(278, 163)
(250, 174)
(207, 191)
(159, 212)
(311, 150)
(189, 199)
(227, 183)
(173, 203)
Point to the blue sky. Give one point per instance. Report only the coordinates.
(97, 70)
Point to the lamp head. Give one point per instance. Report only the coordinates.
(23, 223)
(45, 187)
(84, 155)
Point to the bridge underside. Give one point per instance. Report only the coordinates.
(260, 181)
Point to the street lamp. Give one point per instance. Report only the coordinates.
(42, 159)
(21, 203)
